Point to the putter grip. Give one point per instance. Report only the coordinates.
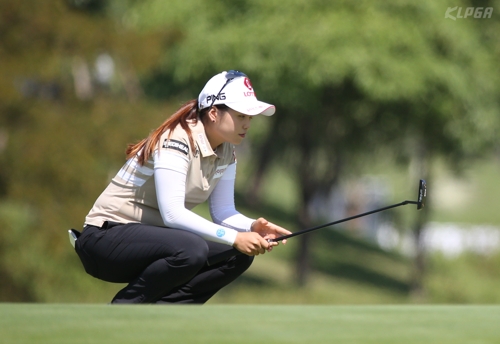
(222, 256)
(219, 257)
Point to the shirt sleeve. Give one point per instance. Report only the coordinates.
(170, 181)
(221, 203)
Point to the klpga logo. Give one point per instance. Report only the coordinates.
(476, 12)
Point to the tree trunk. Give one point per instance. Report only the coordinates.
(264, 155)
(312, 180)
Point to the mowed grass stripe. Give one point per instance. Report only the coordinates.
(61, 323)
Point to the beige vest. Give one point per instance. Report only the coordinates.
(131, 194)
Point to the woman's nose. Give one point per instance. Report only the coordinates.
(247, 124)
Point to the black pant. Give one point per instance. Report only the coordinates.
(160, 265)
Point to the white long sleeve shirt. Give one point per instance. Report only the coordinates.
(163, 191)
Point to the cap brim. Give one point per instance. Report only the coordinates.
(253, 108)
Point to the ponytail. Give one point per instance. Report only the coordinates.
(188, 113)
(145, 148)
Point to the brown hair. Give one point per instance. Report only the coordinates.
(187, 112)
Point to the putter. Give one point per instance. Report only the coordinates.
(422, 195)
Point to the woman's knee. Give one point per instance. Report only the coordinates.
(194, 254)
(242, 262)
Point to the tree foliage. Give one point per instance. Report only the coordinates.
(424, 73)
(57, 150)
(349, 78)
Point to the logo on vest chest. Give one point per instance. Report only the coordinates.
(219, 171)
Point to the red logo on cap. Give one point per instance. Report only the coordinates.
(248, 84)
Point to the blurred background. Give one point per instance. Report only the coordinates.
(371, 96)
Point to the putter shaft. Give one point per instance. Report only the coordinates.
(340, 221)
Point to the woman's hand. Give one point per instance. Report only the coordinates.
(251, 244)
(269, 230)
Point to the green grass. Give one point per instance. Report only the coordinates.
(44, 323)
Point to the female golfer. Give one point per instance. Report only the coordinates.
(141, 230)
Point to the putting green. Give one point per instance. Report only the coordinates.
(84, 323)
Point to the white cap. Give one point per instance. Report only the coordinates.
(238, 94)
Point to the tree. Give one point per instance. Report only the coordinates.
(58, 147)
(348, 78)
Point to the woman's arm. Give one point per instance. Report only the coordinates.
(170, 181)
(221, 203)
(223, 211)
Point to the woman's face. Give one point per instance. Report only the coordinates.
(229, 126)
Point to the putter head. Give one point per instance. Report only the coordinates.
(422, 194)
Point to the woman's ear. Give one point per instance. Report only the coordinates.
(212, 114)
